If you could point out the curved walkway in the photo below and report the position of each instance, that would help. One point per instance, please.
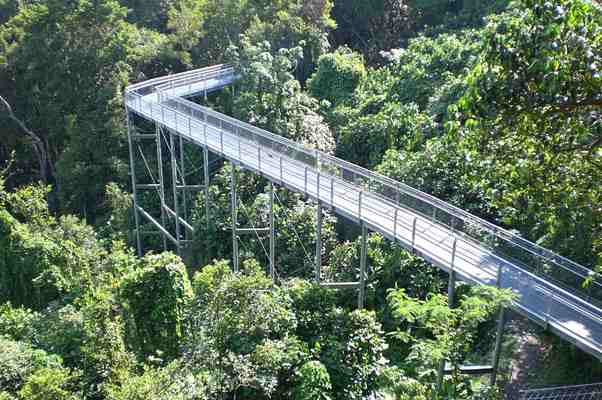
(448, 237)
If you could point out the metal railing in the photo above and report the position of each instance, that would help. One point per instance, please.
(420, 221)
(576, 392)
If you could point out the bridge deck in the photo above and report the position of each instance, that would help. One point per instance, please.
(284, 162)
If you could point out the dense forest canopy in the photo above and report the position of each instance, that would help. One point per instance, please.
(494, 106)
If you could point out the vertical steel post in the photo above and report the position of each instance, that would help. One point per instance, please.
(174, 184)
(361, 298)
(499, 334)
(183, 179)
(206, 182)
(451, 289)
(234, 217)
(161, 183)
(272, 235)
(498, 345)
(133, 175)
(318, 242)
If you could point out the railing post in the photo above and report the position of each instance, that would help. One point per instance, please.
(332, 192)
(259, 158)
(305, 181)
(318, 186)
(359, 205)
(239, 146)
(395, 224)
(205, 128)
(281, 172)
(234, 216)
(221, 141)
(414, 233)
(133, 176)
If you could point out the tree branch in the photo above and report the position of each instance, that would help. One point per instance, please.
(38, 143)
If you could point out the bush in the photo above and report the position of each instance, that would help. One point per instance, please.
(156, 295)
(337, 76)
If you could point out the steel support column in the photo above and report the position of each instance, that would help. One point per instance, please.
(183, 180)
(318, 271)
(272, 235)
(234, 217)
(206, 182)
(361, 298)
(174, 184)
(451, 290)
(133, 176)
(161, 182)
(498, 345)
(499, 334)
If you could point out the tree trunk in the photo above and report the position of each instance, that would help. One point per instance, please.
(38, 144)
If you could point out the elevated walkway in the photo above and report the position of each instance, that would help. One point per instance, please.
(547, 285)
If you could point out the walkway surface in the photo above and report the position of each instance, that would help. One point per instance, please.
(450, 238)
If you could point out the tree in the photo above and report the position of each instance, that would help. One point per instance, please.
(438, 332)
(531, 123)
(337, 76)
(158, 320)
(271, 98)
(75, 105)
(370, 26)
(241, 331)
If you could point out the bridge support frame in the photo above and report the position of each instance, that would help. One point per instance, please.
(499, 334)
(451, 294)
(161, 181)
(361, 297)
(234, 206)
(318, 271)
(133, 179)
(272, 236)
(174, 185)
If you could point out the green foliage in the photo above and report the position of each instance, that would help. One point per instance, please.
(240, 331)
(337, 75)
(438, 332)
(76, 105)
(169, 382)
(312, 382)
(208, 27)
(270, 97)
(531, 123)
(353, 353)
(50, 384)
(20, 361)
(16, 323)
(156, 294)
(41, 258)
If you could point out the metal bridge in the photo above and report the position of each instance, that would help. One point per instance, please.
(548, 286)
(577, 392)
